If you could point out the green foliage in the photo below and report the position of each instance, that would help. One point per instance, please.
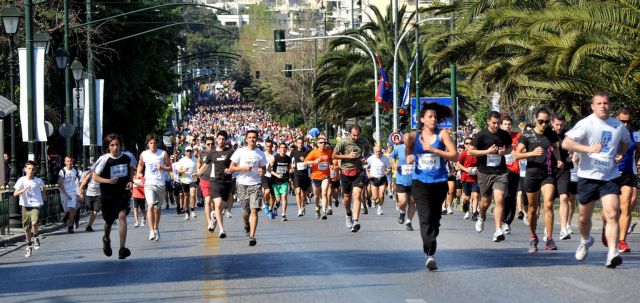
(481, 115)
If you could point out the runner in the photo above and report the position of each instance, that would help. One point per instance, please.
(513, 167)
(138, 201)
(269, 207)
(378, 166)
(320, 159)
(451, 188)
(92, 196)
(68, 181)
(281, 175)
(218, 159)
(30, 189)
(350, 151)
(430, 148)
(154, 162)
(565, 190)
(489, 146)
(628, 181)
(470, 189)
(186, 169)
(540, 148)
(404, 173)
(114, 171)
(334, 176)
(250, 163)
(204, 171)
(301, 180)
(602, 141)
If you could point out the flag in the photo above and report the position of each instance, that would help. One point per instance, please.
(407, 85)
(384, 93)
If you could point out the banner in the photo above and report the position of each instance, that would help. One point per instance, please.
(415, 110)
(86, 131)
(39, 132)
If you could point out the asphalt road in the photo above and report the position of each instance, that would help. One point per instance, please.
(309, 260)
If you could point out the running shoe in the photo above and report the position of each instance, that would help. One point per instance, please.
(533, 244)
(474, 217)
(613, 260)
(70, 229)
(324, 215)
(136, 224)
(229, 214)
(356, 226)
(467, 216)
(124, 253)
(90, 229)
(449, 210)
(431, 263)
(583, 249)
(564, 235)
(157, 233)
(317, 213)
(106, 246)
(520, 215)
(349, 222)
(505, 228)
(36, 242)
(271, 215)
(498, 236)
(299, 212)
(29, 251)
(365, 210)
(329, 211)
(550, 244)
(265, 209)
(275, 212)
(152, 236)
(186, 216)
(479, 225)
(284, 218)
(444, 211)
(379, 211)
(210, 226)
(252, 241)
(409, 226)
(222, 234)
(401, 218)
(193, 214)
(569, 231)
(623, 246)
(141, 224)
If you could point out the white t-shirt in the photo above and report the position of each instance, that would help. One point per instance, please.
(33, 196)
(255, 158)
(378, 166)
(609, 133)
(70, 180)
(190, 165)
(153, 176)
(270, 159)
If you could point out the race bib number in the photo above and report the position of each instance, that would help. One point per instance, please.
(323, 165)
(119, 171)
(281, 170)
(601, 162)
(636, 136)
(509, 158)
(493, 160)
(407, 169)
(301, 166)
(428, 162)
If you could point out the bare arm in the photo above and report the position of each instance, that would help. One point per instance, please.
(99, 179)
(571, 145)
(140, 166)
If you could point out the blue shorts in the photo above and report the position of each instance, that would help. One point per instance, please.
(591, 190)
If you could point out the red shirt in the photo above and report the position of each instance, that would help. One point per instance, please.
(467, 161)
(138, 192)
(514, 167)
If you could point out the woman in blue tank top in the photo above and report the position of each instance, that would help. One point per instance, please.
(429, 149)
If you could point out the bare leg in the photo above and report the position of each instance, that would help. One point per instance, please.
(548, 192)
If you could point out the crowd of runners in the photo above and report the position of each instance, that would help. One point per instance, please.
(236, 153)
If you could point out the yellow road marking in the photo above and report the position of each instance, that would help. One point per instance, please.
(211, 289)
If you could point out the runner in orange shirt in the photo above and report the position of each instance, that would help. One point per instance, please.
(320, 158)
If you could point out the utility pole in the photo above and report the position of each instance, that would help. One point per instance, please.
(417, 57)
(68, 106)
(92, 84)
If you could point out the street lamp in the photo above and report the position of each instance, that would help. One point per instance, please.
(77, 69)
(62, 58)
(42, 39)
(11, 19)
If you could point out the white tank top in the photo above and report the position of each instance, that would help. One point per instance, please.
(152, 175)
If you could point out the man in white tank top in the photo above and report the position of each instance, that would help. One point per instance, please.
(155, 162)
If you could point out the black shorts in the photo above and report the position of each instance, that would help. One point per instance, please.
(470, 187)
(220, 189)
(591, 190)
(301, 181)
(451, 178)
(317, 183)
(627, 179)
(563, 178)
(112, 206)
(94, 203)
(403, 189)
(348, 183)
(335, 184)
(266, 182)
(139, 203)
(573, 188)
(378, 181)
(534, 184)
(168, 185)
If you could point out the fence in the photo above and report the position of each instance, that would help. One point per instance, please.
(49, 213)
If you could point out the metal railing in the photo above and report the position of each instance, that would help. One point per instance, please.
(50, 212)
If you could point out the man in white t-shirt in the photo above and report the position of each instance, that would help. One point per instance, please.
(186, 169)
(68, 181)
(30, 189)
(154, 162)
(250, 163)
(378, 166)
(601, 141)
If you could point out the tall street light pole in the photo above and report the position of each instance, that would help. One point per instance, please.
(92, 84)
(28, 29)
(11, 18)
(68, 106)
(77, 69)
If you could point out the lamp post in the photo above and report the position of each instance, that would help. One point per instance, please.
(42, 39)
(11, 18)
(62, 60)
(77, 69)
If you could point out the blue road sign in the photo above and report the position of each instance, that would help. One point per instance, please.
(415, 110)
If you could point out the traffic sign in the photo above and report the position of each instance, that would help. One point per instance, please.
(396, 138)
(66, 130)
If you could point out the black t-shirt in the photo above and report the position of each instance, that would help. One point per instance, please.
(106, 167)
(545, 164)
(485, 139)
(281, 166)
(218, 161)
(205, 159)
(564, 154)
(297, 157)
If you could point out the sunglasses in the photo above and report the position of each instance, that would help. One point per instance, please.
(322, 142)
(467, 143)
(209, 144)
(546, 122)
